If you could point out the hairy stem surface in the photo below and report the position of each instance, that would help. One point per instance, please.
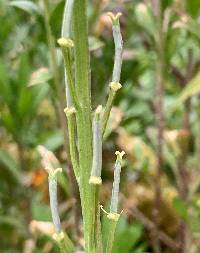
(84, 126)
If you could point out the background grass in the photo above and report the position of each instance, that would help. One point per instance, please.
(29, 103)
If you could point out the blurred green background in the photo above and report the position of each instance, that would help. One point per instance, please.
(32, 102)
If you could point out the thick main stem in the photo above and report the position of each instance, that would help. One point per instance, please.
(84, 126)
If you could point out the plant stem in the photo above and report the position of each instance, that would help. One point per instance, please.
(84, 127)
(99, 233)
(61, 102)
(113, 216)
(110, 235)
(108, 107)
(115, 84)
(184, 234)
(68, 70)
(159, 41)
(70, 113)
(55, 72)
(182, 176)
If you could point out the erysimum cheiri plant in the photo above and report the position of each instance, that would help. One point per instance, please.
(86, 131)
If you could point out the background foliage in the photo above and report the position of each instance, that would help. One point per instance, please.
(29, 103)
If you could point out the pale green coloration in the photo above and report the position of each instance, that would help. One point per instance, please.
(116, 182)
(114, 87)
(83, 118)
(110, 235)
(115, 84)
(54, 203)
(55, 71)
(65, 33)
(67, 16)
(84, 127)
(118, 46)
(64, 243)
(70, 113)
(85, 144)
(66, 45)
(95, 177)
(113, 215)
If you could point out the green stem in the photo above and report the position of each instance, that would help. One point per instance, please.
(114, 87)
(84, 127)
(72, 140)
(81, 53)
(64, 243)
(60, 101)
(68, 68)
(98, 230)
(110, 235)
(107, 110)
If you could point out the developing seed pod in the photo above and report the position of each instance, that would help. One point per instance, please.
(65, 33)
(118, 46)
(66, 45)
(95, 177)
(115, 83)
(53, 198)
(116, 182)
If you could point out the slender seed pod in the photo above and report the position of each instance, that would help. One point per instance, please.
(66, 45)
(65, 33)
(116, 182)
(113, 215)
(115, 83)
(95, 177)
(67, 15)
(53, 198)
(70, 113)
(118, 46)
